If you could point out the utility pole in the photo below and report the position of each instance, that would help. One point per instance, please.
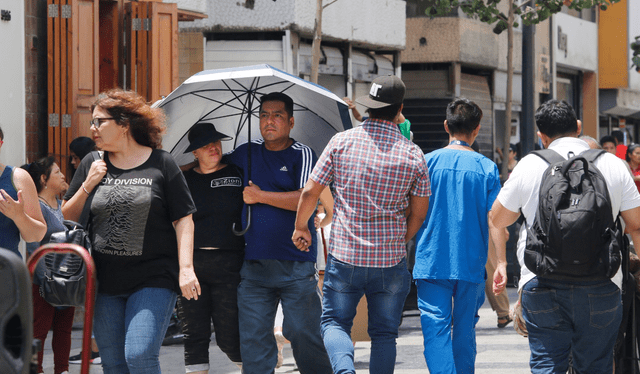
(528, 88)
(315, 46)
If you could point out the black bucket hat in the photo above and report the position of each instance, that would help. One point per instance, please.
(202, 134)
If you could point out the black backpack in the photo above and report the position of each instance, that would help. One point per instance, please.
(574, 236)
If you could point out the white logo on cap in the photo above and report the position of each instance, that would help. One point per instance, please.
(374, 89)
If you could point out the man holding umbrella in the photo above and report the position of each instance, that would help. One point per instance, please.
(381, 191)
(274, 269)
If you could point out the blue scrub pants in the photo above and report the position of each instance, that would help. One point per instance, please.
(449, 313)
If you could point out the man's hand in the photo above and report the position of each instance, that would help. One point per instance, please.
(302, 239)
(251, 193)
(499, 278)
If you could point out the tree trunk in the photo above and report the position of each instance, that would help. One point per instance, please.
(504, 172)
(315, 46)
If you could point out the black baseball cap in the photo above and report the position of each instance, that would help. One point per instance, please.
(203, 133)
(385, 91)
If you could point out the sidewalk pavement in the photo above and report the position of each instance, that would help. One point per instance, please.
(499, 350)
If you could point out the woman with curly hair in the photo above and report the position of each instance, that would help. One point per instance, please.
(139, 213)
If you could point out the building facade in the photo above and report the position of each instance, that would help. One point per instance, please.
(619, 84)
(354, 50)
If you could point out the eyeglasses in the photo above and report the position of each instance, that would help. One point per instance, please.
(96, 122)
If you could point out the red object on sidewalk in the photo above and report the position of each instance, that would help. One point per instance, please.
(89, 292)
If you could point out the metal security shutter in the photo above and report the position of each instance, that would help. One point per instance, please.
(426, 99)
(476, 89)
(220, 54)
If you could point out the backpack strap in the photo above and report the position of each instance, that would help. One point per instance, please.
(592, 154)
(549, 156)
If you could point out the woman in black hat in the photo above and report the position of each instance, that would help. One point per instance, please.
(218, 254)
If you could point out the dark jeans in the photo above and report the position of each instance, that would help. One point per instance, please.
(295, 285)
(218, 272)
(577, 318)
(385, 289)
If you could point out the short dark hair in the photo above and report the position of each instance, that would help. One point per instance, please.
(387, 113)
(463, 116)
(556, 118)
(608, 139)
(1, 134)
(618, 135)
(39, 168)
(279, 96)
(82, 146)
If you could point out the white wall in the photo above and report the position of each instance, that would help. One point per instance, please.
(12, 84)
(634, 30)
(380, 22)
(376, 22)
(192, 5)
(582, 43)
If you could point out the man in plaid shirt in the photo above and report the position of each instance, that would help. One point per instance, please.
(381, 189)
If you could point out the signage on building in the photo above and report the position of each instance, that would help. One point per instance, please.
(544, 74)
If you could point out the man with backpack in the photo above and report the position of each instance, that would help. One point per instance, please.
(570, 280)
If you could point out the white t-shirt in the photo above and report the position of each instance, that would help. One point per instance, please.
(522, 188)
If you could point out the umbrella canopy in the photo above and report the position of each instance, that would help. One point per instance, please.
(230, 99)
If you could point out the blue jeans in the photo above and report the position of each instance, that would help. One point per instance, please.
(295, 284)
(449, 314)
(129, 329)
(386, 290)
(577, 318)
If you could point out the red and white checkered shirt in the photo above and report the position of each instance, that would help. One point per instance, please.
(373, 169)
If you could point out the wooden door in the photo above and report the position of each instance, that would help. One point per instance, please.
(152, 29)
(72, 70)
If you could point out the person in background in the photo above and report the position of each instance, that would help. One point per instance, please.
(218, 254)
(609, 143)
(633, 160)
(499, 303)
(80, 147)
(512, 157)
(50, 183)
(141, 230)
(621, 148)
(20, 213)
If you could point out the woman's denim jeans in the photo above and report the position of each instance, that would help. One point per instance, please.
(129, 329)
(386, 290)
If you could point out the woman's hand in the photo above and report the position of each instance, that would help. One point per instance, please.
(189, 284)
(9, 207)
(97, 171)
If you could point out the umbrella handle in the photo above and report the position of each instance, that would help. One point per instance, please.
(240, 233)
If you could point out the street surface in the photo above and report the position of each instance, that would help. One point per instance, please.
(500, 351)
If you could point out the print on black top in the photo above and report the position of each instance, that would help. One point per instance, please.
(127, 209)
(218, 198)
